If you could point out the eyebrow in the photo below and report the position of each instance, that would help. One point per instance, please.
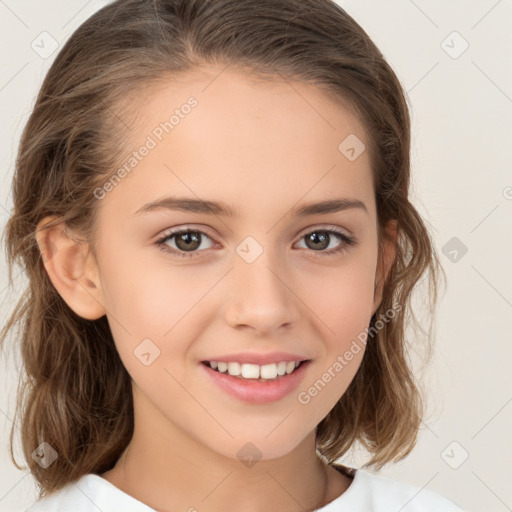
(191, 205)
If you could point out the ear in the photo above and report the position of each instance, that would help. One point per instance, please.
(385, 261)
(71, 267)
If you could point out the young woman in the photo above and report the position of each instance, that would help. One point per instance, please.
(211, 203)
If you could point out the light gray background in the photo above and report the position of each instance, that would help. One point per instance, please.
(461, 110)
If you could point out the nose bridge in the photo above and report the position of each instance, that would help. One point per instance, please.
(260, 295)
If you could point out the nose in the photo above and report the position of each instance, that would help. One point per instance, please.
(260, 296)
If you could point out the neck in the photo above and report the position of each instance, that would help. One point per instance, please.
(167, 469)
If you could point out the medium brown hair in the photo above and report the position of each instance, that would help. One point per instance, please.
(75, 393)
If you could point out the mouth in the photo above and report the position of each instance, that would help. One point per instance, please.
(256, 373)
(252, 389)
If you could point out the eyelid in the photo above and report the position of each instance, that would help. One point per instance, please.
(179, 229)
(201, 228)
(345, 236)
(318, 227)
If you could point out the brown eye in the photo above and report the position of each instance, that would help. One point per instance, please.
(188, 241)
(320, 240)
(185, 241)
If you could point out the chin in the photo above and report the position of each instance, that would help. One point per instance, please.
(251, 450)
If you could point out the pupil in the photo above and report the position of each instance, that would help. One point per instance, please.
(188, 239)
(315, 238)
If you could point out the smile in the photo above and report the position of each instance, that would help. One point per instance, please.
(248, 385)
(265, 372)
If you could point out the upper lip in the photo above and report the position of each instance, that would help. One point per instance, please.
(259, 359)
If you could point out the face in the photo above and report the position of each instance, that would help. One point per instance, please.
(263, 279)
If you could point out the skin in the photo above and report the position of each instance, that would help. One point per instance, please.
(263, 148)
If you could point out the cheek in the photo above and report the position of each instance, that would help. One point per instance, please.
(153, 302)
(342, 304)
(141, 291)
(343, 296)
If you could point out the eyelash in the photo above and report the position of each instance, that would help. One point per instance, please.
(348, 240)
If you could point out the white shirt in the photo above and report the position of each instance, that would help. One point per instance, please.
(367, 493)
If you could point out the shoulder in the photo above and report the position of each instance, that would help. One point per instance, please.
(411, 497)
(370, 492)
(89, 493)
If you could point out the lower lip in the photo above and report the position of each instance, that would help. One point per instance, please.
(257, 392)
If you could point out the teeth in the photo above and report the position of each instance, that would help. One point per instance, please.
(234, 369)
(254, 371)
(269, 371)
(250, 371)
(281, 368)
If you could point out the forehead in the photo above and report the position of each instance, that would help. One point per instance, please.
(242, 99)
(246, 141)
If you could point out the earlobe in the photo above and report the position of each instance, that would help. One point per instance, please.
(71, 268)
(385, 261)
